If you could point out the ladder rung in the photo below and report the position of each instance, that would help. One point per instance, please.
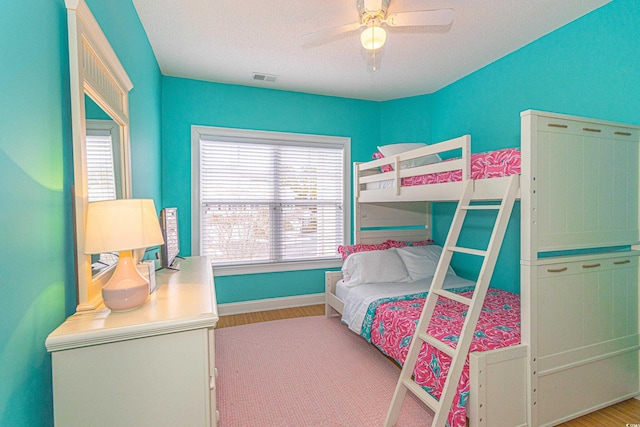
(468, 251)
(431, 340)
(452, 296)
(422, 394)
(481, 207)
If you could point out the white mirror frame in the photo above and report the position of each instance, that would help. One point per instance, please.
(96, 71)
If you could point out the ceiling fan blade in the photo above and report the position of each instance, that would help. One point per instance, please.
(420, 18)
(325, 35)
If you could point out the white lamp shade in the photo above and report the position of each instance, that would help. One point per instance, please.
(373, 37)
(123, 224)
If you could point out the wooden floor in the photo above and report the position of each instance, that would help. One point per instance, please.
(265, 316)
(624, 414)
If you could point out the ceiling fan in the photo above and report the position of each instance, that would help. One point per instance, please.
(373, 16)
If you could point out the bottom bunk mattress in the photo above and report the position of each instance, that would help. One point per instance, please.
(390, 323)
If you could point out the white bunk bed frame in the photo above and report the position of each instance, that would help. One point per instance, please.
(580, 345)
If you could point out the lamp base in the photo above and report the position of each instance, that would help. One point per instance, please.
(127, 289)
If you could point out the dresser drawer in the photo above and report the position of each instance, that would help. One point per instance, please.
(556, 268)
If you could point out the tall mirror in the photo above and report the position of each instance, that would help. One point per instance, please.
(100, 124)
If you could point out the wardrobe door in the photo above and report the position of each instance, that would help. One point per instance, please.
(587, 334)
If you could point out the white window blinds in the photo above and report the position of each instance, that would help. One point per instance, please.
(101, 178)
(269, 201)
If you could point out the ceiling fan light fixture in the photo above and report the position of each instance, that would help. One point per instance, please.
(373, 37)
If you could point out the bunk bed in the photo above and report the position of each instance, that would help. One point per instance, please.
(579, 305)
(391, 213)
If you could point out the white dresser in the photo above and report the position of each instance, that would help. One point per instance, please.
(151, 366)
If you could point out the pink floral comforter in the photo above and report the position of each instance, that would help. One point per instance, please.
(492, 164)
(390, 324)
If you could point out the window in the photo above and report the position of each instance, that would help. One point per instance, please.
(267, 201)
(103, 172)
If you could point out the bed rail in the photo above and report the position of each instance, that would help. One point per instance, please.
(373, 185)
(333, 306)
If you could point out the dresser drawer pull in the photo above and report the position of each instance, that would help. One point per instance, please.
(591, 266)
(557, 270)
(591, 130)
(626, 261)
(554, 125)
(212, 383)
(623, 133)
(215, 372)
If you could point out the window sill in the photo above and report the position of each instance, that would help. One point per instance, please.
(234, 270)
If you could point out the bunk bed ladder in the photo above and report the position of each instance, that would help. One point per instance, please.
(458, 355)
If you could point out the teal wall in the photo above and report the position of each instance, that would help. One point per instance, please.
(37, 279)
(190, 102)
(590, 67)
(35, 247)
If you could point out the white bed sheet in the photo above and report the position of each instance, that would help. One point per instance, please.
(342, 290)
(358, 298)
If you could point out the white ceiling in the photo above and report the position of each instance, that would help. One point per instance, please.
(228, 41)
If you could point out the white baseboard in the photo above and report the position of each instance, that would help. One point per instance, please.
(269, 304)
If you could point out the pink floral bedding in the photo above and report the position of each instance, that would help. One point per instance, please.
(493, 164)
(391, 322)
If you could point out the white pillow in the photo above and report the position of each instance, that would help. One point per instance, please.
(393, 149)
(383, 266)
(421, 261)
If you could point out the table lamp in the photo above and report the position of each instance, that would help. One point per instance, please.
(121, 226)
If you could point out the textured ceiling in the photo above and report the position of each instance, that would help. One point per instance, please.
(228, 41)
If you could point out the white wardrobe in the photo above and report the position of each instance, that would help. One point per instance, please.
(579, 232)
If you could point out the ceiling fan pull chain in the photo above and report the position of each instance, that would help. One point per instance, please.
(375, 65)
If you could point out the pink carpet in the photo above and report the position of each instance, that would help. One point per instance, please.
(309, 371)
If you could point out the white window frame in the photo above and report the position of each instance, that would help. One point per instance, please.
(209, 131)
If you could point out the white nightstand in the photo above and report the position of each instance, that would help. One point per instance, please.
(151, 366)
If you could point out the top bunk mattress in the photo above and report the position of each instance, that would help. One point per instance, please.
(420, 174)
(492, 164)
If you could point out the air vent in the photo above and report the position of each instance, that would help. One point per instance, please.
(262, 77)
